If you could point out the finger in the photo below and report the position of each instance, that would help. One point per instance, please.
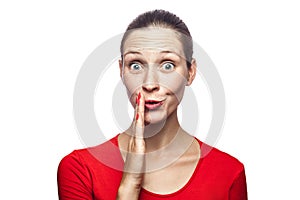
(139, 117)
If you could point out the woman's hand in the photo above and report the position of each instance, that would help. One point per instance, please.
(132, 179)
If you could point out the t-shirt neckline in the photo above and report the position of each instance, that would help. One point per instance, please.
(183, 187)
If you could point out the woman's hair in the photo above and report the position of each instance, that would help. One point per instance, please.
(163, 19)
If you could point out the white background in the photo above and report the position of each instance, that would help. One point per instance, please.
(254, 45)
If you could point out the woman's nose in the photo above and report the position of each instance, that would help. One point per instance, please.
(151, 82)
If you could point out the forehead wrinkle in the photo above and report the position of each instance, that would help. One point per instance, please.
(162, 53)
(156, 39)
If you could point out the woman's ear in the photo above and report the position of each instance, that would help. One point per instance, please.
(121, 67)
(192, 70)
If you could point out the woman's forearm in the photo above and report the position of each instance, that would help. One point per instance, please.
(129, 189)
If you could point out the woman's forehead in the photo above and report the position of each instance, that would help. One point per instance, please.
(153, 39)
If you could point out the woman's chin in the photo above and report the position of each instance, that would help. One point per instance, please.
(155, 117)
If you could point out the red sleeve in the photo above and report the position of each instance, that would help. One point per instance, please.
(73, 179)
(238, 190)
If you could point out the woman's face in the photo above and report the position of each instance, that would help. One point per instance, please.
(154, 64)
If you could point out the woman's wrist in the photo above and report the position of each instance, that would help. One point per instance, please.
(128, 191)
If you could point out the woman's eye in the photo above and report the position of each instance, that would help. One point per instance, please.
(135, 66)
(168, 66)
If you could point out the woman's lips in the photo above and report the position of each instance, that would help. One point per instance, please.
(153, 104)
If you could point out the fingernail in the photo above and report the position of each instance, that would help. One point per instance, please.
(137, 116)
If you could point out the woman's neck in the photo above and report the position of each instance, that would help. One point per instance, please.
(159, 135)
(164, 143)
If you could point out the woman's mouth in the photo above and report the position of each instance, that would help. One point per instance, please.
(153, 104)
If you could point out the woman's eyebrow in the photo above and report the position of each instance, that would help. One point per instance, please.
(171, 52)
(132, 52)
(167, 51)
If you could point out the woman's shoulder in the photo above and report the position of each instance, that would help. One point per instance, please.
(220, 173)
(105, 145)
(82, 169)
(103, 152)
(219, 159)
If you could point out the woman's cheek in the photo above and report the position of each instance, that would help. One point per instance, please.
(175, 83)
(132, 84)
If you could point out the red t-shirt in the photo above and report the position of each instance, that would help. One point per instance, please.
(82, 175)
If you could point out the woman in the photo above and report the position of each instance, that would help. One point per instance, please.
(159, 160)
